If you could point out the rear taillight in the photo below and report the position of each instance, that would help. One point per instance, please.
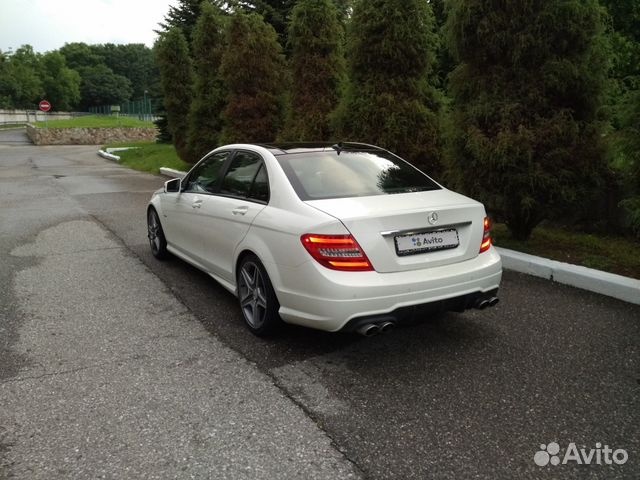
(338, 252)
(486, 236)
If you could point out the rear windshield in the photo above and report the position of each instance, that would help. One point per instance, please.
(320, 175)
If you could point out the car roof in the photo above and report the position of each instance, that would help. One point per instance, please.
(284, 148)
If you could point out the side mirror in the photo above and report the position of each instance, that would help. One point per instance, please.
(172, 185)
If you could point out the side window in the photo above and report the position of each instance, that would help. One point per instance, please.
(260, 187)
(205, 177)
(240, 175)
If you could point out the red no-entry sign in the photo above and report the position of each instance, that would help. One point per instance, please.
(44, 106)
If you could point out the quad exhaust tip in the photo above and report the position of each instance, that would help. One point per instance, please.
(371, 329)
(368, 330)
(387, 327)
(483, 303)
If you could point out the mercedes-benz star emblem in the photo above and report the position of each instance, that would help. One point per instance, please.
(433, 218)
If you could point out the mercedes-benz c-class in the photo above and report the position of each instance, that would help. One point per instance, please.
(334, 237)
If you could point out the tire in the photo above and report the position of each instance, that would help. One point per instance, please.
(258, 302)
(157, 240)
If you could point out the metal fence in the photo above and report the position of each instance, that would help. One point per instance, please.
(141, 109)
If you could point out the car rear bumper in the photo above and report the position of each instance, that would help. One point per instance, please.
(317, 297)
(416, 313)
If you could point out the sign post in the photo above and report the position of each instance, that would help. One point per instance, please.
(45, 106)
(116, 109)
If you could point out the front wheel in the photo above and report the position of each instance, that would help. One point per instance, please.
(258, 301)
(157, 240)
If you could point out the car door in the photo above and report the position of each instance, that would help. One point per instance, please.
(243, 193)
(183, 210)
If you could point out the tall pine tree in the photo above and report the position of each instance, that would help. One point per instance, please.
(317, 65)
(184, 15)
(390, 99)
(275, 12)
(176, 76)
(525, 137)
(253, 72)
(205, 120)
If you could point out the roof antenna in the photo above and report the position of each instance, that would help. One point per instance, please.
(337, 147)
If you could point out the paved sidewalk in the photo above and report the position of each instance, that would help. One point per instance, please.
(123, 382)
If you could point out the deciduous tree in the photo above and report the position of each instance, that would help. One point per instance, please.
(132, 60)
(20, 82)
(78, 55)
(100, 86)
(61, 84)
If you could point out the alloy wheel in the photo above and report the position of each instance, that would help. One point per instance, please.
(252, 292)
(153, 229)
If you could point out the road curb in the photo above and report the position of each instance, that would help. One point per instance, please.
(170, 172)
(610, 284)
(108, 152)
(109, 156)
(119, 149)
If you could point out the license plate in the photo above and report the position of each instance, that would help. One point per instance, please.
(426, 241)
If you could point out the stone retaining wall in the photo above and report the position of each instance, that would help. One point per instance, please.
(88, 136)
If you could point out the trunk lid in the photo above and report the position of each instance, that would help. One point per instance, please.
(376, 221)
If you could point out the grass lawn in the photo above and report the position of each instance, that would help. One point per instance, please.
(97, 121)
(149, 156)
(613, 254)
(10, 126)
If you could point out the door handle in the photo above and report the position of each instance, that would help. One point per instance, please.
(197, 203)
(240, 210)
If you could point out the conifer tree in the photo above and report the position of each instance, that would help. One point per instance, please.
(317, 66)
(253, 73)
(274, 12)
(525, 137)
(390, 99)
(205, 117)
(624, 104)
(176, 77)
(629, 148)
(184, 15)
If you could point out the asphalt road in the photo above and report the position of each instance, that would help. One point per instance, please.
(471, 395)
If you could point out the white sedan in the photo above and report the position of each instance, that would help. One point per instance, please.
(335, 237)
